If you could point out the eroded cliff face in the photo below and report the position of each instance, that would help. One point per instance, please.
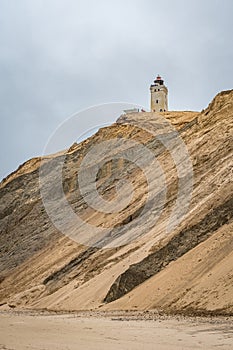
(189, 269)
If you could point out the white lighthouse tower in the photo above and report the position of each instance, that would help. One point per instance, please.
(158, 96)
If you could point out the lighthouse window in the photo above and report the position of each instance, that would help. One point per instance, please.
(157, 101)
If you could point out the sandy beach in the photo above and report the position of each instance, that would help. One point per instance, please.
(21, 331)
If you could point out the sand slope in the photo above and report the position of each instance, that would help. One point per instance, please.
(189, 270)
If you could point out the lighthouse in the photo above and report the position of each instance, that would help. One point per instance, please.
(158, 96)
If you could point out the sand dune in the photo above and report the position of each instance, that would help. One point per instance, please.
(189, 270)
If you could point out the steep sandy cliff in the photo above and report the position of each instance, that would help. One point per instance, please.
(188, 269)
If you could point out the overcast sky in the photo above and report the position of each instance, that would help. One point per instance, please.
(60, 56)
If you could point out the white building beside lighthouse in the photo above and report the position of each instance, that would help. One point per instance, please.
(159, 101)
